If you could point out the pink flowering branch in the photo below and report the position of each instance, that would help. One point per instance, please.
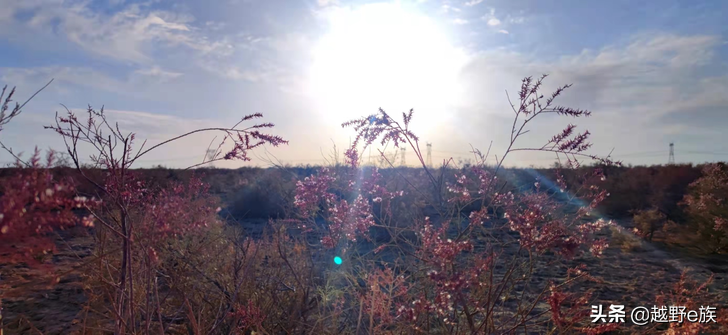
(113, 151)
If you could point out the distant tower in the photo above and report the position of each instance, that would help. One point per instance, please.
(429, 154)
(671, 160)
(210, 155)
(402, 161)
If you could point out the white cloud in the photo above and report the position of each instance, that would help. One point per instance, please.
(638, 91)
(503, 31)
(459, 21)
(235, 72)
(447, 8)
(324, 3)
(473, 3)
(492, 20)
(71, 83)
(127, 35)
(157, 72)
(83, 76)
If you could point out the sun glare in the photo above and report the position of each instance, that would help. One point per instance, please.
(383, 55)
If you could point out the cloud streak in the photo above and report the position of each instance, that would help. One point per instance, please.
(126, 35)
(638, 90)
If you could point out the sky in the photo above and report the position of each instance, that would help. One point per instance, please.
(652, 72)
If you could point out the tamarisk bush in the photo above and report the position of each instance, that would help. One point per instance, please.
(707, 209)
(448, 250)
(33, 203)
(456, 271)
(136, 220)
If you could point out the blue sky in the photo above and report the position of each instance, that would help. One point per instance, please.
(653, 72)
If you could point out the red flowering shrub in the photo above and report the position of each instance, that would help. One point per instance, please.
(344, 218)
(463, 266)
(248, 317)
(449, 250)
(690, 300)
(707, 208)
(138, 222)
(32, 204)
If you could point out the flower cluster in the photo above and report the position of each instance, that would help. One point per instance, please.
(312, 190)
(385, 290)
(464, 188)
(34, 203)
(438, 250)
(248, 317)
(346, 220)
(178, 209)
(372, 187)
(535, 219)
(449, 274)
(460, 189)
(352, 157)
(371, 127)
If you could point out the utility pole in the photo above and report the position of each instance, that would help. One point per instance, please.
(429, 154)
(671, 160)
(402, 161)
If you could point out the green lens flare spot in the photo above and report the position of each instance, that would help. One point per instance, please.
(337, 260)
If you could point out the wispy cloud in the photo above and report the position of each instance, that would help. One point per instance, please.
(460, 21)
(445, 8)
(126, 35)
(493, 22)
(491, 19)
(63, 75)
(473, 3)
(324, 3)
(640, 91)
(157, 72)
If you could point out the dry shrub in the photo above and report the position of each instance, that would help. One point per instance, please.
(130, 292)
(468, 266)
(448, 251)
(707, 208)
(32, 202)
(693, 296)
(625, 240)
(648, 222)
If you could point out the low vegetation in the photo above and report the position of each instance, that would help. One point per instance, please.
(348, 248)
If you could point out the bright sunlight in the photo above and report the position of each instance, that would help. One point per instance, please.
(384, 55)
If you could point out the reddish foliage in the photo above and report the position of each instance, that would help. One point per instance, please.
(33, 204)
(169, 211)
(385, 291)
(707, 207)
(248, 317)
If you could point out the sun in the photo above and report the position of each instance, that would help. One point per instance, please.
(384, 55)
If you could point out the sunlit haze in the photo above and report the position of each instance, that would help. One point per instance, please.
(384, 55)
